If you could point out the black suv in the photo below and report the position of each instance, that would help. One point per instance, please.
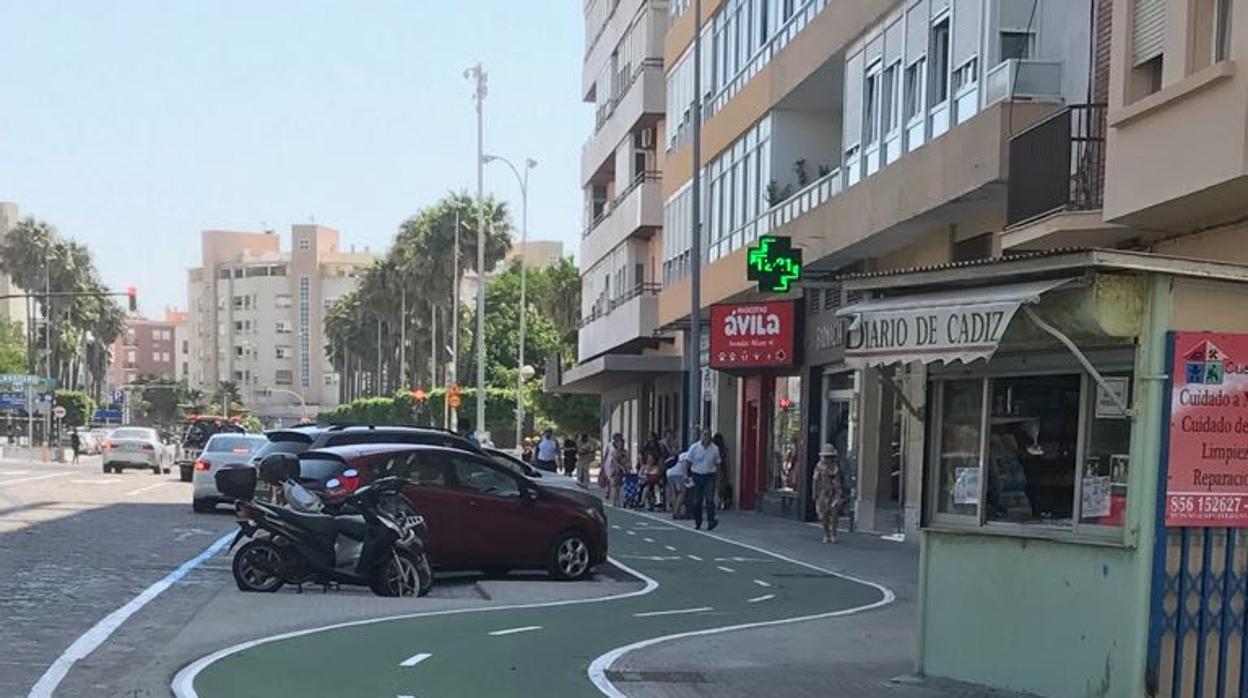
(296, 440)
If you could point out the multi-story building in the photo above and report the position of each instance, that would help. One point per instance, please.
(148, 348)
(10, 308)
(619, 355)
(537, 254)
(256, 316)
(181, 343)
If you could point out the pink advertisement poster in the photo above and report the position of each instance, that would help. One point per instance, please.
(1207, 481)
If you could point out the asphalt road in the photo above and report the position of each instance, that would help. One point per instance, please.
(74, 545)
(697, 583)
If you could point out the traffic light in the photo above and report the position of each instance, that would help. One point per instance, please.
(132, 294)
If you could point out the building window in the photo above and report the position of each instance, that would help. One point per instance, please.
(165, 357)
(1016, 45)
(1046, 450)
(284, 352)
(331, 378)
(186, 347)
(282, 301)
(1148, 43)
(1222, 30)
(888, 100)
(283, 376)
(940, 61)
(305, 244)
(282, 327)
(871, 104)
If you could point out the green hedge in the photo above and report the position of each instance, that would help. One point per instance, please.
(500, 406)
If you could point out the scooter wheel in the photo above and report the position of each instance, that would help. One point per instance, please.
(401, 575)
(257, 567)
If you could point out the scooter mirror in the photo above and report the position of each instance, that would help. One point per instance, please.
(333, 484)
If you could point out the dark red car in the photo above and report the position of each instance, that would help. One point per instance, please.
(481, 515)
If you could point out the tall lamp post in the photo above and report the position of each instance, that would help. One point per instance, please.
(477, 74)
(523, 180)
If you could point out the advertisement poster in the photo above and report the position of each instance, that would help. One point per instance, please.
(752, 334)
(1207, 481)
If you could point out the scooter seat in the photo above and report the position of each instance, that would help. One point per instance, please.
(320, 524)
(351, 525)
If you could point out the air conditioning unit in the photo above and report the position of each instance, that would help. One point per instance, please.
(647, 139)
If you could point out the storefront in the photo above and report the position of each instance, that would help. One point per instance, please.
(832, 395)
(1045, 417)
(758, 343)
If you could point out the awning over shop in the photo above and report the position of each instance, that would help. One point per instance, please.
(964, 324)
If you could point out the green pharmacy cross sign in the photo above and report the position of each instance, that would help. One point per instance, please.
(775, 264)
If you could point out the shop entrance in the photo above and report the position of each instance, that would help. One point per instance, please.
(837, 426)
(755, 416)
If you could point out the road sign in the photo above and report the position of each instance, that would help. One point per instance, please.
(119, 396)
(59, 412)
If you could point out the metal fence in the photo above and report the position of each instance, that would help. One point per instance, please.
(1058, 165)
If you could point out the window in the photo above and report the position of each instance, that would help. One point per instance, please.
(961, 421)
(1222, 30)
(238, 350)
(940, 61)
(1032, 441)
(281, 301)
(1016, 45)
(419, 468)
(484, 479)
(965, 75)
(787, 433)
(305, 244)
(913, 99)
(331, 378)
(888, 100)
(283, 352)
(871, 104)
(319, 469)
(283, 376)
(186, 347)
(238, 325)
(165, 357)
(282, 327)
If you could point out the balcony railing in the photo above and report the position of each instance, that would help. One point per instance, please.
(607, 109)
(1058, 165)
(1023, 80)
(603, 306)
(610, 206)
(806, 199)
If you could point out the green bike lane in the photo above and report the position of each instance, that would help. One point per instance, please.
(694, 583)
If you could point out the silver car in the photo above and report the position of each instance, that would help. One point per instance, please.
(222, 450)
(133, 447)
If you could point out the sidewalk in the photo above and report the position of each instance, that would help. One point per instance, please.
(867, 654)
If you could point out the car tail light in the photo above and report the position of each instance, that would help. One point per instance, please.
(148, 447)
(201, 464)
(106, 445)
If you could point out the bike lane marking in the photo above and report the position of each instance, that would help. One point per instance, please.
(415, 659)
(513, 631)
(673, 612)
(149, 488)
(22, 480)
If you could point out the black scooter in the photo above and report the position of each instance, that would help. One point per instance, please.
(372, 548)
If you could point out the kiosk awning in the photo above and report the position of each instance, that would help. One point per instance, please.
(964, 324)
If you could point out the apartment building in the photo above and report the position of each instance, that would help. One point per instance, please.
(619, 354)
(10, 308)
(148, 348)
(256, 316)
(181, 343)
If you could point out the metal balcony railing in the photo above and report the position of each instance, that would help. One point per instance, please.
(607, 109)
(1058, 165)
(609, 206)
(1023, 80)
(603, 306)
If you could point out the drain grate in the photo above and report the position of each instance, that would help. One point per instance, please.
(656, 677)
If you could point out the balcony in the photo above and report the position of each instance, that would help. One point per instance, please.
(637, 208)
(640, 95)
(1024, 81)
(627, 322)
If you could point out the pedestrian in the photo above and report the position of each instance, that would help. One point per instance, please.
(722, 476)
(526, 451)
(570, 452)
(829, 491)
(584, 455)
(617, 467)
(678, 485)
(75, 442)
(466, 431)
(703, 466)
(671, 445)
(546, 456)
(651, 472)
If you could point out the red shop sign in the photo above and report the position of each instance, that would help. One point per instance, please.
(1207, 474)
(752, 334)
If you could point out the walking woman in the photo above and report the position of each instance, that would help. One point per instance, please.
(829, 491)
(617, 467)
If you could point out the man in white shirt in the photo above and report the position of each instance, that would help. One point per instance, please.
(703, 459)
(547, 452)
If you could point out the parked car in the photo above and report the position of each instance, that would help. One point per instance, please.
(520, 467)
(195, 434)
(481, 514)
(302, 438)
(221, 451)
(133, 447)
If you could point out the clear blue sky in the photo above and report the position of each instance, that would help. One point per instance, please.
(134, 125)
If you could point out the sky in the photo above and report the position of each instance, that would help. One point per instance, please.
(133, 125)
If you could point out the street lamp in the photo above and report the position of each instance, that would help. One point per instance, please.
(523, 180)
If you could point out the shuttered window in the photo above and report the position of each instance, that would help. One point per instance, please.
(1148, 30)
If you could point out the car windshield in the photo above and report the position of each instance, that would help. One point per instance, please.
(142, 434)
(236, 444)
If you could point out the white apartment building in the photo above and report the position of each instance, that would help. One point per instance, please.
(256, 316)
(10, 308)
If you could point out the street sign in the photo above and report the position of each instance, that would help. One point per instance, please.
(119, 396)
(59, 412)
(774, 263)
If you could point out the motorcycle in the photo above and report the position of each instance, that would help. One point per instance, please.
(370, 548)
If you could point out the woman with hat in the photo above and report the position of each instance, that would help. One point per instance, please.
(829, 491)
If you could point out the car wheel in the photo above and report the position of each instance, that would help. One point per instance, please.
(495, 572)
(156, 470)
(200, 506)
(257, 567)
(569, 557)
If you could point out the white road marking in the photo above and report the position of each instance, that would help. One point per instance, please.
(695, 558)
(14, 472)
(673, 612)
(415, 659)
(648, 540)
(149, 488)
(764, 597)
(653, 558)
(670, 547)
(631, 532)
(513, 631)
(721, 568)
(99, 481)
(741, 559)
(598, 668)
(761, 583)
(36, 478)
(615, 526)
(93, 638)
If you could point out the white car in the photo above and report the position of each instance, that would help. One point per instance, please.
(222, 450)
(133, 447)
